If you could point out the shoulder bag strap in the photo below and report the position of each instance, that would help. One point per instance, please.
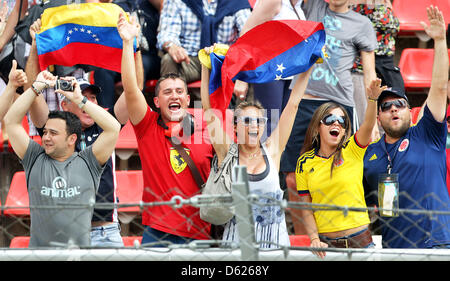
(196, 174)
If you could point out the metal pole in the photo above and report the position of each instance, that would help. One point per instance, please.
(244, 215)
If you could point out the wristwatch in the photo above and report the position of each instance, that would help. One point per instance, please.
(83, 102)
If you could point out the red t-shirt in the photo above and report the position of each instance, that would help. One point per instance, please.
(166, 175)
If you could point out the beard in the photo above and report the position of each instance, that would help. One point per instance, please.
(396, 133)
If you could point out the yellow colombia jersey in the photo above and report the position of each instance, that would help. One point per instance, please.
(344, 188)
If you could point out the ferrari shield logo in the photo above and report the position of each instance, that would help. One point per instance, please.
(177, 162)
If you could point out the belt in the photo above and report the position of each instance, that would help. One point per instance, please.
(360, 240)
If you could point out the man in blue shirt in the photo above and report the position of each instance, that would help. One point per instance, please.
(417, 155)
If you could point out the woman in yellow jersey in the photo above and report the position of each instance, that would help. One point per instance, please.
(330, 171)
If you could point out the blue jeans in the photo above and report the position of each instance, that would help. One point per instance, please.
(106, 236)
(152, 235)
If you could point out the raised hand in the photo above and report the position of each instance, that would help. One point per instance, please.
(3, 11)
(127, 30)
(436, 29)
(17, 77)
(35, 28)
(44, 80)
(374, 90)
(76, 96)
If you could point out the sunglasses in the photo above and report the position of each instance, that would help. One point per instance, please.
(331, 118)
(247, 120)
(400, 104)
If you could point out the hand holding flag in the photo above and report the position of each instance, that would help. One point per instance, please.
(270, 51)
(80, 34)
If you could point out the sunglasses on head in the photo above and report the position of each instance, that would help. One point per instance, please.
(331, 118)
(385, 106)
(247, 120)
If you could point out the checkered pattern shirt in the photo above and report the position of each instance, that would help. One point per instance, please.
(53, 100)
(178, 24)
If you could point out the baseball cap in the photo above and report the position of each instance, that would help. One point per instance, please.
(84, 84)
(392, 92)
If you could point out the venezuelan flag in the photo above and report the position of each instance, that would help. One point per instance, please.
(270, 51)
(80, 34)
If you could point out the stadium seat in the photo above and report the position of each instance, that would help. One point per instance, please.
(411, 12)
(195, 84)
(150, 85)
(130, 186)
(23, 241)
(126, 144)
(128, 241)
(20, 242)
(299, 240)
(416, 67)
(17, 202)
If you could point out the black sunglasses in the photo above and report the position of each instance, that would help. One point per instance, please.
(331, 118)
(247, 120)
(385, 106)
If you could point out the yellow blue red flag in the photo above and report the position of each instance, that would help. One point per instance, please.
(80, 34)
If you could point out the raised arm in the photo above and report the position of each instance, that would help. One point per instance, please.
(364, 134)
(135, 100)
(18, 137)
(437, 97)
(39, 109)
(106, 141)
(279, 137)
(263, 11)
(16, 79)
(218, 136)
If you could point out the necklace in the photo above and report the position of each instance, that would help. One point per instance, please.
(251, 156)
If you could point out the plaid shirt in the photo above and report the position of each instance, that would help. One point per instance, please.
(178, 24)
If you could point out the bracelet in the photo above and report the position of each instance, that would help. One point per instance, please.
(371, 99)
(314, 238)
(83, 102)
(36, 92)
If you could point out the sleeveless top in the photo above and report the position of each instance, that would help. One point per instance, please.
(269, 218)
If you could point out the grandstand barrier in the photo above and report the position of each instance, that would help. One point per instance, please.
(210, 250)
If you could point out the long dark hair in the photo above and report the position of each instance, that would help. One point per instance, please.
(312, 137)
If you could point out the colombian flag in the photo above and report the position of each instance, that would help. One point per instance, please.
(270, 51)
(80, 34)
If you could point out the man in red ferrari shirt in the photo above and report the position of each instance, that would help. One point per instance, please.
(165, 172)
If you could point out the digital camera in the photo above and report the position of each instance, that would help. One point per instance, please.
(64, 85)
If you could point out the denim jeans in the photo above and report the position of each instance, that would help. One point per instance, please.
(106, 236)
(152, 235)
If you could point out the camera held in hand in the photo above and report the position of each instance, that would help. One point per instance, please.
(64, 85)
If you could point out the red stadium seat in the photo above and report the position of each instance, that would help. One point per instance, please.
(20, 242)
(126, 143)
(150, 85)
(299, 240)
(416, 67)
(130, 186)
(195, 84)
(23, 241)
(17, 202)
(411, 12)
(128, 241)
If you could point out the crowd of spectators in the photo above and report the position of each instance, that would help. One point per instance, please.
(329, 147)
